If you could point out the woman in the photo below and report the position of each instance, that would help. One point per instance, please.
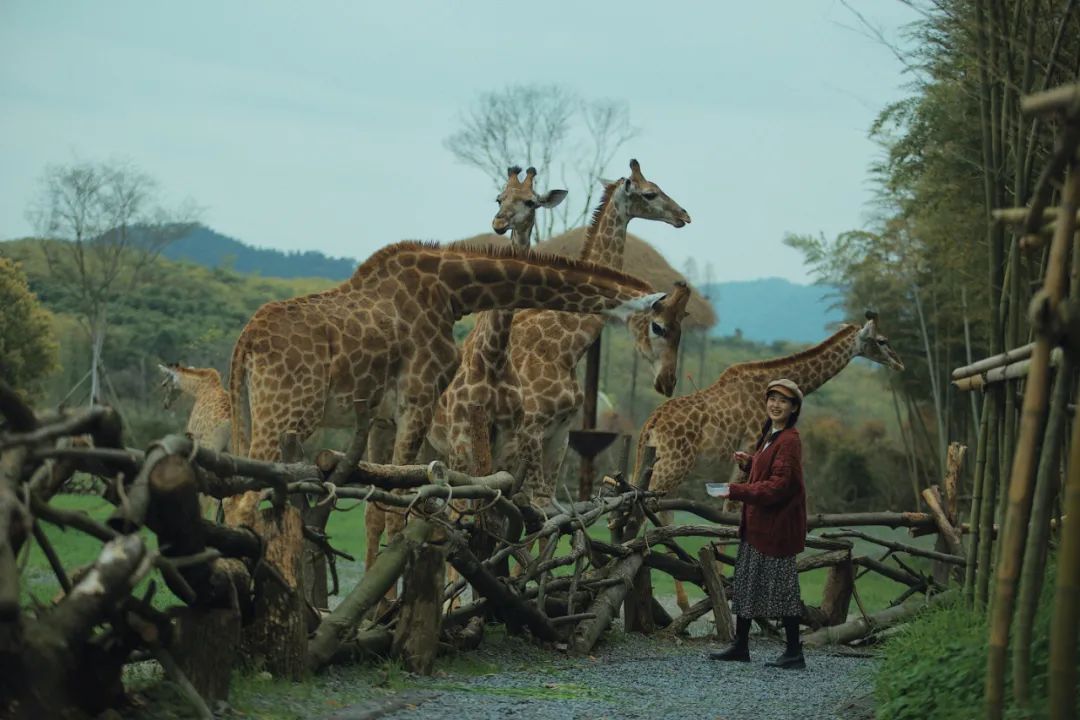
(773, 528)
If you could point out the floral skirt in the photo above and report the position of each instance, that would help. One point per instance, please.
(765, 587)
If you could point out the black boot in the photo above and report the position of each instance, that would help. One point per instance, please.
(739, 650)
(792, 659)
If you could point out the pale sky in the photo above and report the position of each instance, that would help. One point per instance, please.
(320, 125)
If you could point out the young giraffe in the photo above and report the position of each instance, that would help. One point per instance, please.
(304, 360)
(545, 347)
(208, 422)
(712, 423)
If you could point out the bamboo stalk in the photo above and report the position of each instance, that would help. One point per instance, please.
(1064, 99)
(974, 516)
(1003, 373)
(1038, 534)
(986, 511)
(1024, 460)
(1066, 618)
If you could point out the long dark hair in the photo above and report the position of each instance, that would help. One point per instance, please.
(792, 419)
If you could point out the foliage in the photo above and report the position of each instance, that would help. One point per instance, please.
(28, 351)
(204, 246)
(935, 666)
(954, 149)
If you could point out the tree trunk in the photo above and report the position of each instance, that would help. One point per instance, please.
(859, 627)
(606, 606)
(416, 636)
(836, 597)
(205, 648)
(277, 637)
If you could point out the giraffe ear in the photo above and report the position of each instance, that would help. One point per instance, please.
(605, 182)
(552, 198)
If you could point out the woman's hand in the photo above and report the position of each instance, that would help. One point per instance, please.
(740, 458)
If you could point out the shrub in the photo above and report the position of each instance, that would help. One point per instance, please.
(935, 666)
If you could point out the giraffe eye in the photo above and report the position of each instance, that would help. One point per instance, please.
(649, 195)
(531, 204)
(659, 330)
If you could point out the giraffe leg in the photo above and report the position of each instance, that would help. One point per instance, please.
(374, 524)
(554, 453)
(669, 470)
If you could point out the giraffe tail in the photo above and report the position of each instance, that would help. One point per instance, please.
(237, 377)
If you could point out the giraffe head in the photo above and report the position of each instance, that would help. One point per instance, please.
(518, 202)
(645, 199)
(871, 344)
(657, 333)
(181, 379)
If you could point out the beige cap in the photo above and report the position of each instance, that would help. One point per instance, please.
(785, 387)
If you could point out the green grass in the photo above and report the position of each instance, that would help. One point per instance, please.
(935, 666)
(75, 549)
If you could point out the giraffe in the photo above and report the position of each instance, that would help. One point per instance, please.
(483, 354)
(303, 361)
(208, 422)
(712, 423)
(483, 358)
(545, 346)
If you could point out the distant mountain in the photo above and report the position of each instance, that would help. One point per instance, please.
(207, 247)
(771, 309)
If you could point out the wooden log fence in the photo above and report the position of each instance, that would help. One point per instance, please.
(212, 568)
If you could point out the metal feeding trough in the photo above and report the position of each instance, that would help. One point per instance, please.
(590, 443)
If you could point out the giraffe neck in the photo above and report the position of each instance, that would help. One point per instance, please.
(478, 281)
(199, 386)
(486, 349)
(605, 240)
(813, 367)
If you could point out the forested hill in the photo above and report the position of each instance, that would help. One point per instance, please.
(764, 310)
(212, 249)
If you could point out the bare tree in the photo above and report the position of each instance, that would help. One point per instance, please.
(103, 229)
(546, 126)
(607, 127)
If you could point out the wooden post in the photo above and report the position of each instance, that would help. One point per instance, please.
(948, 532)
(637, 608)
(710, 570)
(836, 597)
(205, 647)
(416, 636)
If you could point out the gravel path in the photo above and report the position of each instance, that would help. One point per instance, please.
(633, 677)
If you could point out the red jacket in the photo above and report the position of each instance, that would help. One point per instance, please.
(774, 498)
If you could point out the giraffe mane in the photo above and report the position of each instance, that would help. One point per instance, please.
(794, 357)
(553, 260)
(594, 223)
(200, 372)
